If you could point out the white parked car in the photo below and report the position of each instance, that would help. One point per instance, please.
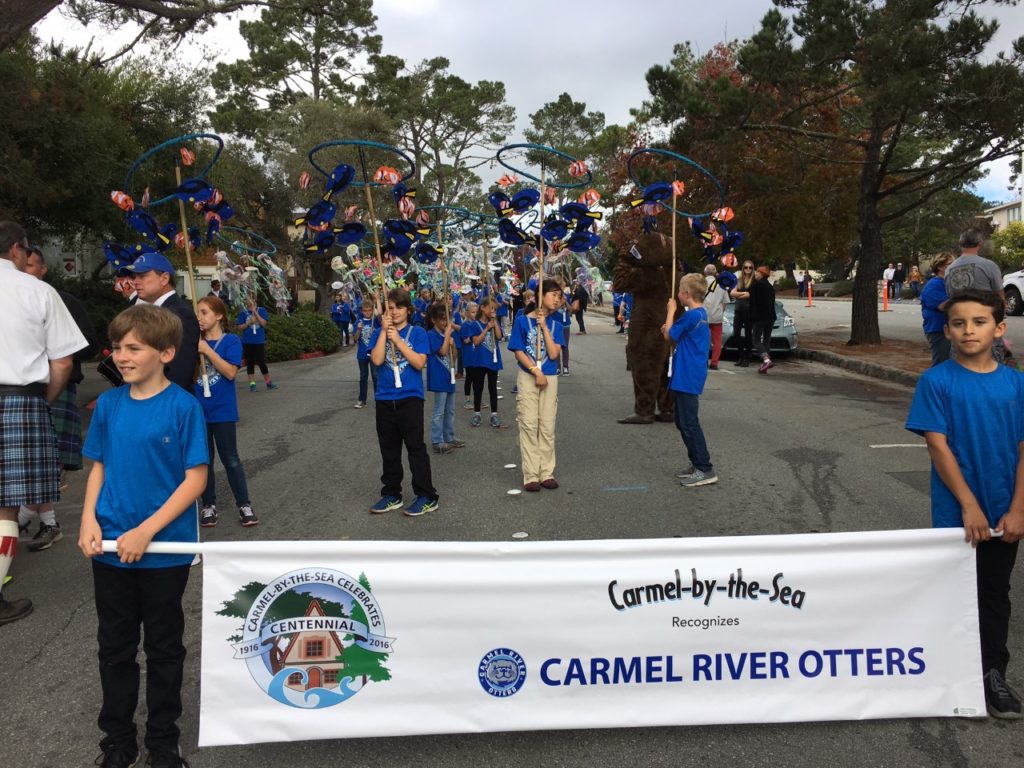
(1013, 287)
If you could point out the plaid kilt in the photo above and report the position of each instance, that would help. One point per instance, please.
(67, 423)
(29, 472)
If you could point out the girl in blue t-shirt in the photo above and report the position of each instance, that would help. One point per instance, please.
(468, 312)
(400, 351)
(221, 357)
(441, 380)
(564, 315)
(485, 335)
(346, 315)
(365, 327)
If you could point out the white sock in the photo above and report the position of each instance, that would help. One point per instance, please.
(8, 545)
(476, 413)
(25, 516)
(48, 516)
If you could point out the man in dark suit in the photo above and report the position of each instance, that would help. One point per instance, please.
(217, 290)
(154, 282)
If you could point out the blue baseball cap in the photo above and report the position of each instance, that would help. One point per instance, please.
(150, 261)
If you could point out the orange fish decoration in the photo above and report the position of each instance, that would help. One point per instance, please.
(550, 195)
(508, 180)
(578, 168)
(678, 188)
(385, 174)
(187, 156)
(350, 212)
(723, 214)
(406, 207)
(304, 179)
(422, 217)
(216, 197)
(729, 261)
(122, 200)
(145, 199)
(589, 198)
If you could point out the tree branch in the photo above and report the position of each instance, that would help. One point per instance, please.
(803, 132)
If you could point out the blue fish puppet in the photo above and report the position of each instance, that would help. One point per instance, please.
(194, 191)
(501, 203)
(509, 233)
(581, 214)
(657, 192)
(400, 235)
(143, 223)
(340, 178)
(428, 253)
(555, 228)
(349, 233)
(581, 242)
(319, 217)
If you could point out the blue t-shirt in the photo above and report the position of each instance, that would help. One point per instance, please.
(439, 372)
(524, 337)
(470, 353)
(502, 310)
(457, 333)
(488, 354)
(412, 380)
(565, 310)
(346, 312)
(336, 312)
(982, 417)
(145, 447)
(222, 404)
(626, 306)
(254, 334)
(364, 332)
(934, 293)
(692, 336)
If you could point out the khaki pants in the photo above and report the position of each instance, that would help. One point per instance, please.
(537, 409)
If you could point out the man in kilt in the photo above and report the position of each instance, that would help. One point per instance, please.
(67, 421)
(37, 339)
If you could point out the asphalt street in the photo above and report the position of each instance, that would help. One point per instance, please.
(805, 448)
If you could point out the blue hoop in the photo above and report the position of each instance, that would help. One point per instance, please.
(173, 143)
(361, 143)
(551, 150)
(463, 214)
(222, 236)
(675, 156)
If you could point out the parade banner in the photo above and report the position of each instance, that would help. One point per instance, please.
(327, 640)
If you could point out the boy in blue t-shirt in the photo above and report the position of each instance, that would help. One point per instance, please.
(148, 444)
(400, 350)
(365, 327)
(441, 380)
(970, 411)
(692, 336)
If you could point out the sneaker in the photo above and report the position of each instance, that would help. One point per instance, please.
(532, 487)
(456, 444)
(1001, 700)
(360, 404)
(468, 405)
(713, 366)
(420, 506)
(208, 516)
(442, 448)
(515, 390)
(118, 757)
(252, 386)
(763, 368)
(386, 504)
(550, 483)
(247, 517)
(165, 758)
(698, 478)
(495, 421)
(565, 371)
(271, 385)
(475, 421)
(12, 610)
(45, 537)
(688, 473)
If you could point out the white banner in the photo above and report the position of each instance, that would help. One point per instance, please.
(326, 640)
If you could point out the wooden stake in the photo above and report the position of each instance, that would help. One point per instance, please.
(672, 287)
(540, 267)
(191, 276)
(376, 249)
(447, 300)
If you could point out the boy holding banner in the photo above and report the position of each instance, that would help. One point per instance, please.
(970, 411)
(148, 444)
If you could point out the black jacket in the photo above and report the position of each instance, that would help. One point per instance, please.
(762, 300)
(182, 369)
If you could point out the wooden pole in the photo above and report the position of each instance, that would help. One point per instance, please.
(447, 299)
(191, 276)
(672, 287)
(380, 260)
(540, 266)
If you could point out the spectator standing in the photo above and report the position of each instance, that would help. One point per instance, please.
(762, 313)
(580, 300)
(715, 299)
(914, 281)
(972, 270)
(218, 291)
(887, 275)
(742, 322)
(38, 337)
(252, 323)
(934, 319)
(899, 277)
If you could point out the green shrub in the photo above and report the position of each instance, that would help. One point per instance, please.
(841, 288)
(785, 284)
(304, 331)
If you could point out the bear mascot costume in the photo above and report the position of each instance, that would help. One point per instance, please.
(645, 271)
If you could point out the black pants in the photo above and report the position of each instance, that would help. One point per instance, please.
(995, 562)
(401, 421)
(255, 354)
(580, 323)
(743, 330)
(128, 599)
(468, 386)
(615, 314)
(763, 337)
(477, 374)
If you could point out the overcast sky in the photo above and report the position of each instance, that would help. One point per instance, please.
(596, 51)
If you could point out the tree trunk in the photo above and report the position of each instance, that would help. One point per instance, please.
(864, 319)
(18, 16)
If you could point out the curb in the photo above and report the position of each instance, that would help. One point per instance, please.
(874, 370)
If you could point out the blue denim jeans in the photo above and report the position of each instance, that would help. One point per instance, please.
(366, 370)
(442, 423)
(222, 437)
(693, 436)
(940, 347)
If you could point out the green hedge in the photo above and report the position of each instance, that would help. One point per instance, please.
(288, 336)
(785, 284)
(841, 288)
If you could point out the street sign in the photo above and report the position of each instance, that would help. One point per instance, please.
(71, 267)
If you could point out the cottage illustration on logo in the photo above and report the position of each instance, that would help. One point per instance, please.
(311, 638)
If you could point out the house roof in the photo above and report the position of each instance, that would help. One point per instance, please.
(1004, 206)
(314, 607)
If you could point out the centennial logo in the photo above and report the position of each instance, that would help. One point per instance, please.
(311, 638)
(502, 672)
